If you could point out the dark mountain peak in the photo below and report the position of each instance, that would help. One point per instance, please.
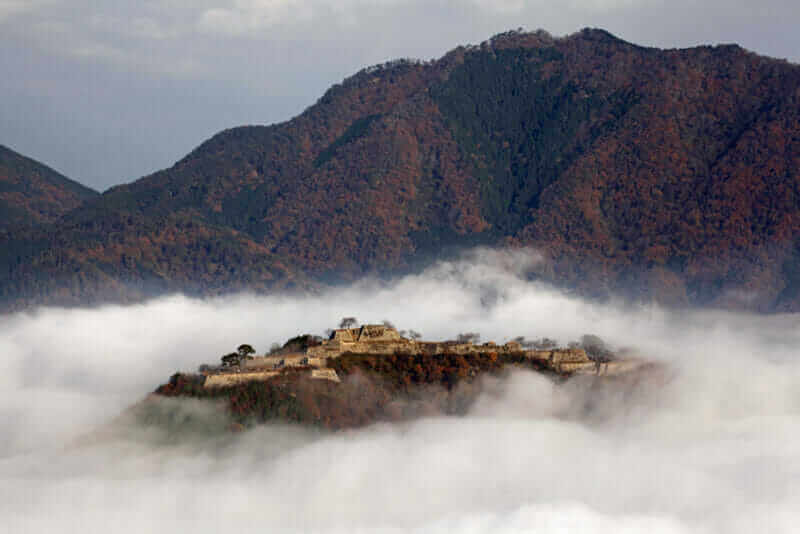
(598, 35)
(32, 193)
(540, 38)
(519, 38)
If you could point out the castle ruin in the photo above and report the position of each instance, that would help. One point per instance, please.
(386, 340)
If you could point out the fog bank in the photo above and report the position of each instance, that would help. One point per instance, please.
(714, 450)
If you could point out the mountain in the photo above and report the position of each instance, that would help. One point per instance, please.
(31, 193)
(665, 174)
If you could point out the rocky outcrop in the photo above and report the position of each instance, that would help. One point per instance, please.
(325, 374)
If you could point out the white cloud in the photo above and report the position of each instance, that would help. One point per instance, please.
(252, 17)
(227, 62)
(10, 8)
(715, 449)
(247, 16)
(159, 37)
(609, 5)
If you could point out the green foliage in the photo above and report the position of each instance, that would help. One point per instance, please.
(524, 125)
(356, 130)
(245, 350)
(300, 343)
(231, 359)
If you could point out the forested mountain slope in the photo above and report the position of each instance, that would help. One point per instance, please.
(31, 193)
(670, 174)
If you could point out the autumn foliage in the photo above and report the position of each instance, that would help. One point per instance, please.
(665, 174)
(373, 389)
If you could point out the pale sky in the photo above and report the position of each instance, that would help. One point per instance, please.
(106, 92)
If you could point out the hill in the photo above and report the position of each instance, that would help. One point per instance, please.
(372, 374)
(32, 193)
(666, 174)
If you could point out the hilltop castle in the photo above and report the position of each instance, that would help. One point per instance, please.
(386, 340)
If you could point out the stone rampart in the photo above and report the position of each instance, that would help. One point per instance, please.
(572, 361)
(559, 355)
(612, 368)
(334, 349)
(325, 374)
(365, 334)
(276, 362)
(231, 379)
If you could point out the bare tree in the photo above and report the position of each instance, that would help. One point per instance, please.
(348, 322)
(544, 343)
(596, 349)
(469, 337)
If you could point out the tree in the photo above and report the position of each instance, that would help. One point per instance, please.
(229, 360)
(348, 322)
(544, 343)
(469, 337)
(413, 334)
(245, 351)
(388, 324)
(275, 347)
(596, 349)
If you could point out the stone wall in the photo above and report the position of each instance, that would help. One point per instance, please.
(274, 362)
(334, 349)
(325, 374)
(557, 356)
(372, 332)
(262, 368)
(231, 379)
(365, 334)
(562, 360)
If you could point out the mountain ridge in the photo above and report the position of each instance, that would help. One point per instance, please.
(32, 193)
(667, 174)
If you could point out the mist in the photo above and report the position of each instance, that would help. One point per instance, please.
(713, 449)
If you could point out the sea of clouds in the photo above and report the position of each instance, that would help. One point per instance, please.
(716, 448)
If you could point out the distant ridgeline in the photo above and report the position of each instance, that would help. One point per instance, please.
(372, 373)
(32, 194)
(668, 175)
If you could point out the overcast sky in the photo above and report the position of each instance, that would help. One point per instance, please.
(106, 92)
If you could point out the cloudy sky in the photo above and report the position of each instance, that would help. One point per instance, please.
(106, 92)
